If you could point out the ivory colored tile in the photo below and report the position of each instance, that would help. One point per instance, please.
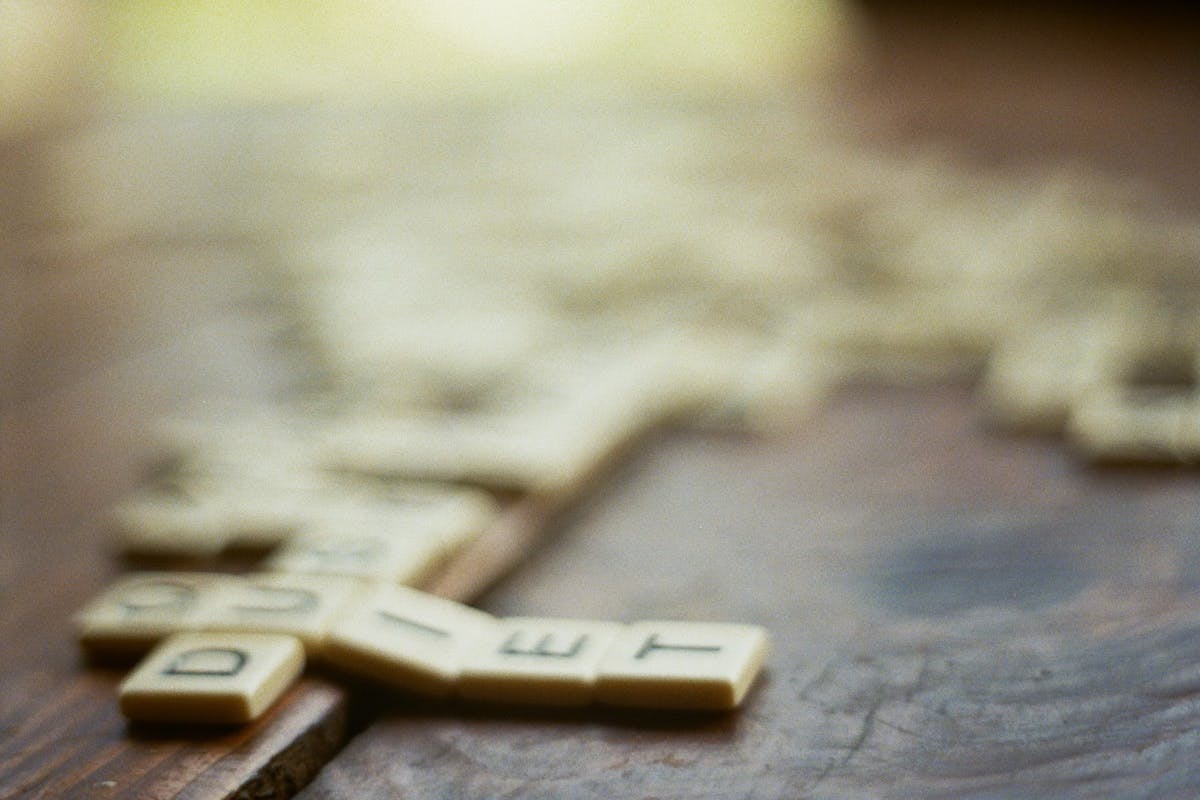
(381, 556)
(753, 384)
(225, 678)
(1120, 426)
(264, 442)
(169, 524)
(489, 450)
(685, 665)
(1189, 432)
(1036, 372)
(545, 433)
(455, 515)
(297, 605)
(137, 611)
(260, 516)
(456, 339)
(536, 661)
(397, 533)
(405, 637)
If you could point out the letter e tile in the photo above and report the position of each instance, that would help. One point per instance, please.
(534, 661)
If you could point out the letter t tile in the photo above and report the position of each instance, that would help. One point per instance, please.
(686, 665)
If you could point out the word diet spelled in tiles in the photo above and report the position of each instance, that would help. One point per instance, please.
(221, 648)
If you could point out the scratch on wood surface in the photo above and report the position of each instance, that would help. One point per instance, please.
(864, 732)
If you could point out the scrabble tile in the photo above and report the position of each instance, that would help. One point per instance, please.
(527, 660)
(381, 556)
(298, 605)
(170, 523)
(545, 432)
(221, 678)
(379, 329)
(202, 515)
(685, 665)
(263, 515)
(491, 450)
(406, 638)
(1189, 432)
(455, 515)
(414, 514)
(1118, 425)
(451, 515)
(1036, 372)
(137, 611)
(751, 384)
(250, 444)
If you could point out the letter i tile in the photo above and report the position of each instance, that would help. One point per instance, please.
(685, 665)
(405, 637)
(220, 678)
(528, 660)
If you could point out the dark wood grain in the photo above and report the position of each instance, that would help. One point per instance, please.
(65, 738)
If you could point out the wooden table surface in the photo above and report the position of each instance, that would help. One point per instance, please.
(954, 613)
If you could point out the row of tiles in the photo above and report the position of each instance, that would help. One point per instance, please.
(400, 637)
(307, 523)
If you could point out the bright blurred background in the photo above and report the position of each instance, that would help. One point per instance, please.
(55, 54)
